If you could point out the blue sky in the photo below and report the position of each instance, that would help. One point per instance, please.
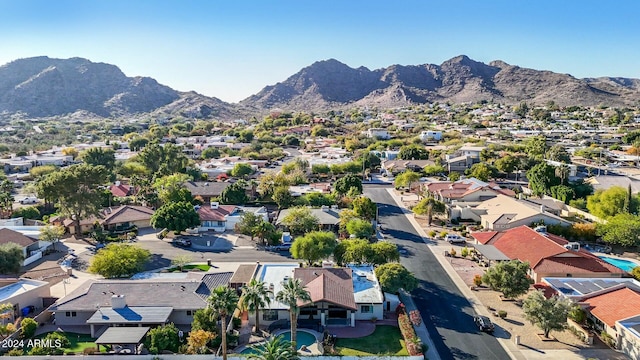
(231, 49)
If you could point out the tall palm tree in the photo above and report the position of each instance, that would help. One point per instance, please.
(562, 172)
(292, 292)
(274, 349)
(256, 296)
(223, 301)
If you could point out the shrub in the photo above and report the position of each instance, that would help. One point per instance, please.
(452, 252)
(477, 280)
(64, 342)
(432, 233)
(610, 341)
(28, 328)
(464, 252)
(577, 314)
(443, 234)
(502, 314)
(414, 316)
(237, 322)
(15, 352)
(89, 351)
(408, 333)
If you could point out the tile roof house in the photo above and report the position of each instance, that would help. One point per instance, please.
(328, 217)
(206, 189)
(392, 167)
(339, 296)
(119, 218)
(121, 190)
(31, 248)
(147, 302)
(504, 212)
(548, 255)
(220, 218)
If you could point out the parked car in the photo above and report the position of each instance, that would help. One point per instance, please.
(280, 247)
(181, 242)
(29, 200)
(483, 323)
(455, 239)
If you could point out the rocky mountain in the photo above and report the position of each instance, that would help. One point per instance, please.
(331, 83)
(43, 87)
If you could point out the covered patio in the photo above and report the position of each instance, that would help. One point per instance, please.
(489, 253)
(129, 316)
(122, 340)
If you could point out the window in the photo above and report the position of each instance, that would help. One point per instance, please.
(366, 309)
(189, 313)
(221, 223)
(309, 310)
(269, 315)
(71, 314)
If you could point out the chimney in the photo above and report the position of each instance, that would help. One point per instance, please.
(324, 208)
(215, 204)
(118, 301)
(520, 196)
(118, 183)
(541, 209)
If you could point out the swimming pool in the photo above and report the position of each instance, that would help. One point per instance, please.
(625, 265)
(303, 338)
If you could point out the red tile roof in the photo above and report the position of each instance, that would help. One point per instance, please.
(332, 285)
(615, 305)
(525, 244)
(484, 237)
(547, 290)
(206, 213)
(121, 190)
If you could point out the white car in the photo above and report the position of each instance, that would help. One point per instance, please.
(455, 239)
(29, 200)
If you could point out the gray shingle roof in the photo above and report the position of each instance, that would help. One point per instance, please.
(212, 281)
(175, 293)
(206, 188)
(325, 217)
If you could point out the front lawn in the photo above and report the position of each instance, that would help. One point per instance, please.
(79, 342)
(386, 340)
(201, 267)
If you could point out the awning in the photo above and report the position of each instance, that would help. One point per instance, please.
(122, 336)
(131, 315)
(491, 252)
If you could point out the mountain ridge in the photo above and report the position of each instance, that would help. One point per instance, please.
(45, 87)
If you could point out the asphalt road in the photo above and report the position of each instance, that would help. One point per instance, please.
(448, 314)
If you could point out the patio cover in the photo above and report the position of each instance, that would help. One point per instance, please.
(122, 336)
(131, 315)
(491, 252)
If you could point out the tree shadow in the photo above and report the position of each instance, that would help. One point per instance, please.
(461, 354)
(514, 322)
(532, 348)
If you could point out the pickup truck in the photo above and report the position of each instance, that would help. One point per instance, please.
(29, 200)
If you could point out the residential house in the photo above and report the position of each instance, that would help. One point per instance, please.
(339, 296)
(100, 304)
(393, 167)
(328, 217)
(378, 133)
(460, 163)
(505, 212)
(26, 295)
(220, 218)
(548, 255)
(206, 190)
(125, 217)
(32, 248)
(612, 304)
(430, 135)
(121, 190)
(604, 182)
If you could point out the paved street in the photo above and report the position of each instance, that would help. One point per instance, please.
(447, 313)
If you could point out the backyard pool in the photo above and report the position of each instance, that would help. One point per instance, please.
(625, 265)
(303, 338)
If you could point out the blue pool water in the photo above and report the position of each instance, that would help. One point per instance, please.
(303, 338)
(625, 265)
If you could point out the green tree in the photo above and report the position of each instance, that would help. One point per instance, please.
(413, 152)
(175, 217)
(292, 294)
(10, 258)
(406, 179)
(481, 171)
(171, 188)
(241, 170)
(393, 277)
(300, 220)
(163, 338)
(316, 199)
(620, 229)
(548, 314)
(39, 171)
(52, 234)
(266, 230)
(276, 348)
(204, 319)
(364, 208)
(563, 193)
(210, 153)
(429, 206)
(137, 143)
(223, 301)
(249, 223)
(162, 160)
(282, 197)
(558, 153)
(371, 161)
(541, 178)
(454, 176)
(347, 182)
(383, 252)
(234, 194)
(28, 328)
(509, 277)
(320, 169)
(255, 297)
(536, 146)
(99, 156)
(507, 164)
(352, 251)
(314, 246)
(198, 340)
(431, 170)
(27, 212)
(76, 189)
(360, 228)
(119, 260)
(607, 203)
(181, 261)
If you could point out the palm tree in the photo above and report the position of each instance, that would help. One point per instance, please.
(223, 301)
(274, 349)
(256, 296)
(292, 292)
(562, 172)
